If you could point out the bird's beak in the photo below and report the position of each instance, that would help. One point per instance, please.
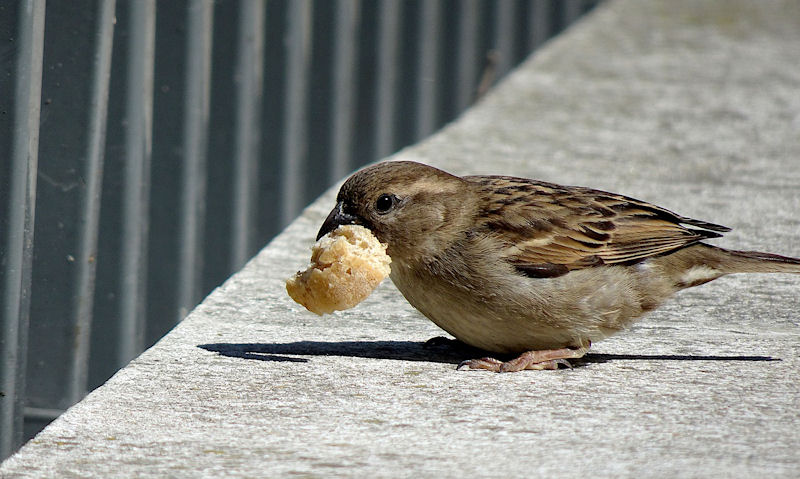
(336, 218)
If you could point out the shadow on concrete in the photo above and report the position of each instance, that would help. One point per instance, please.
(439, 350)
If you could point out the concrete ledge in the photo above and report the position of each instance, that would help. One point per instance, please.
(691, 105)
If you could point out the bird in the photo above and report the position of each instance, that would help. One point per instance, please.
(537, 270)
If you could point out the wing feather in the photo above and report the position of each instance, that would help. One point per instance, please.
(550, 229)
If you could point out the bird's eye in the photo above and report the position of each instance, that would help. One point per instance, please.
(384, 203)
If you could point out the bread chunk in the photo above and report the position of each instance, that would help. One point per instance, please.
(347, 264)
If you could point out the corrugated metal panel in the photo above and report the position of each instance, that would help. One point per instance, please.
(249, 83)
(89, 214)
(136, 187)
(19, 221)
(177, 137)
(429, 48)
(466, 75)
(298, 67)
(197, 99)
(348, 13)
(388, 59)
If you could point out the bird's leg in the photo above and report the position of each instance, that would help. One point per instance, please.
(536, 360)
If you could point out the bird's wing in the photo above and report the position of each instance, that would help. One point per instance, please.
(550, 230)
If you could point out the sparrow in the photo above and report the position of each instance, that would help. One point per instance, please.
(515, 265)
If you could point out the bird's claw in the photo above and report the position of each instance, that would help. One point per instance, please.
(531, 360)
(490, 364)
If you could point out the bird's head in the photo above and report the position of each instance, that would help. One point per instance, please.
(415, 209)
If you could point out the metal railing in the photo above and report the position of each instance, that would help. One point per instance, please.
(148, 149)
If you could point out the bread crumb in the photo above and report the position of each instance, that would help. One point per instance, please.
(347, 264)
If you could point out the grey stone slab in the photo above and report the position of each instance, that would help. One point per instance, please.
(691, 105)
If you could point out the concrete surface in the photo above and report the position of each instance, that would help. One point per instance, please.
(691, 105)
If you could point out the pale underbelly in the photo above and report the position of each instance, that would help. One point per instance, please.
(565, 312)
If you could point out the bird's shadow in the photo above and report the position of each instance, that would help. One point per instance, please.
(439, 350)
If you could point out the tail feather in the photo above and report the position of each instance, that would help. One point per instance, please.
(701, 263)
(757, 262)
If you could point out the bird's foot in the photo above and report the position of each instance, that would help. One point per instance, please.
(533, 360)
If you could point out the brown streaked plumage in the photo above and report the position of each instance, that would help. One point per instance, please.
(513, 265)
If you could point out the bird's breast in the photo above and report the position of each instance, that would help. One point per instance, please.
(481, 312)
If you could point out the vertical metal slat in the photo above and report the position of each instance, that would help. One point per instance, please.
(136, 190)
(572, 10)
(428, 75)
(195, 141)
(466, 66)
(388, 30)
(250, 85)
(504, 37)
(344, 79)
(298, 60)
(539, 23)
(19, 236)
(90, 202)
